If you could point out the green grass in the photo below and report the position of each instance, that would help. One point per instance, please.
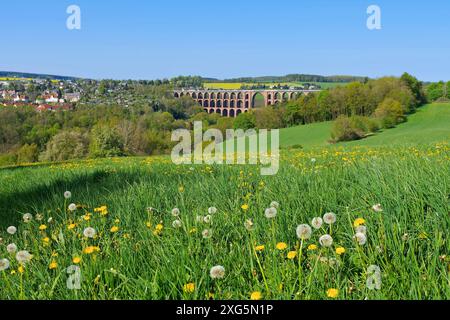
(428, 125)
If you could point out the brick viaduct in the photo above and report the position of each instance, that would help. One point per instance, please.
(230, 103)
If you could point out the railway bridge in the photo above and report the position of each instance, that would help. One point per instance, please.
(230, 103)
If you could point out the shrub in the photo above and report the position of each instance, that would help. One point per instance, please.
(245, 121)
(106, 142)
(66, 145)
(28, 153)
(390, 113)
(347, 129)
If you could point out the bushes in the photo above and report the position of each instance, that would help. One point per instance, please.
(28, 153)
(352, 128)
(66, 145)
(106, 142)
(389, 113)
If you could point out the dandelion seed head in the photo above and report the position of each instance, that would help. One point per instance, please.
(249, 225)
(212, 210)
(377, 207)
(177, 224)
(207, 219)
(217, 272)
(329, 218)
(207, 234)
(175, 212)
(11, 248)
(89, 232)
(360, 238)
(326, 241)
(72, 207)
(317, 222)
(361, 229)
(11, 230)
(23, 257)
(270, 213)
(67, 194)
(304, 232)
(4, 264)
(27, 217)
(274, 204)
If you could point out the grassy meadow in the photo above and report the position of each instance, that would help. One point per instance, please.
(119, 231)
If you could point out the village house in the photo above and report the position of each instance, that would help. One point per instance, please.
(51, 97)
(72, 97)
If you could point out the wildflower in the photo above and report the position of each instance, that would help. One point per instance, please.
(89, 232)
(281, 246)
(27, 217)
(360, 238)
(21, 269)
(193, 230)
(312, 247)
(245, 207)
(249, 225)
(326, 240)
(53, 265)
(149, 209)
(71, 226)
(329, 218)
(158, 229)
(270, 213)
(114, 229)
(377, 208)
(359, 222)
(340, 250)
(361, 229)
(317, 222)
(76, 260)
(274, 204)
(50, 220)
(175, 212)
(91, 249)
(103, 210)
(72, 207)
(260, 248)
(87, 217)
(189, 288)
(181, 189)
(11, 248)
(177, 223)
(46, 240)
(4, 264)
(23, 257)
(313, 160)
(207, 219)
(207, 233)
(39, 217)
(42, 227)
(212, 210)
(332, 293)
(256, 295)
(217, 272)
(67, 194)
(11, 230)
(304, 232)
(291, 255)
(405, 237)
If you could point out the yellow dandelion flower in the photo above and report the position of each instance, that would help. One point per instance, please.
(114, 229)
(281, 246)
(259, 248)
(53, 265)
(291, 255)
(87, 217)
(181, 189)
(359, 222)
(312, 247)
(256, 295)
(159, 227)
(91, 249)
(245, 207)
(340, 250)
(76, 260)
(148, 224)
(21, 269)
(332, 293)
(46, 240)
(189, 288)
(126, 236)
(193, 230)
(42, 227)
(117, 221)
(71, 226)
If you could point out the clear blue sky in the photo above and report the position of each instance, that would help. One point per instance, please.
(154, 39)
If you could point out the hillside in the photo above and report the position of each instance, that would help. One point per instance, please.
(428, 125)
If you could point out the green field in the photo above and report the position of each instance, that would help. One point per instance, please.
(430, 124)
(143, 253)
